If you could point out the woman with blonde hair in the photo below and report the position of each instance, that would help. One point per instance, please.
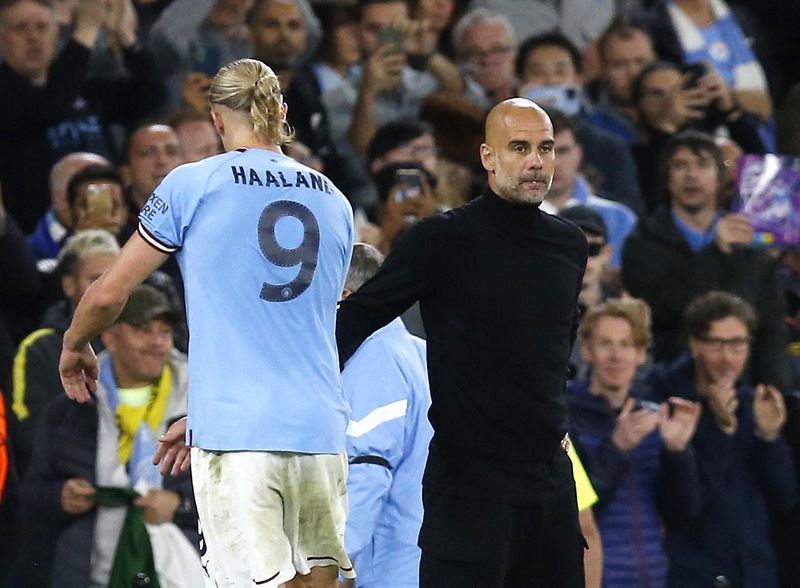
(264, 245)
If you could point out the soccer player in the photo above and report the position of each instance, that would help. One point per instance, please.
(264, 244)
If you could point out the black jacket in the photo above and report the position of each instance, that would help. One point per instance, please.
(659, 266)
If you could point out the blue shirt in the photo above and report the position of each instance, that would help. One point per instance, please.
(620, 220)
(697, 240)
(386, 382)
(263, 243)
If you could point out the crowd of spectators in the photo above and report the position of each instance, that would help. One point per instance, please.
(685, 383)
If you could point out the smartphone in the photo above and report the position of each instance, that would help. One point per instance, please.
(391, 37)
(408, 184)
(693, 73)
(646, 405)
(99, 200)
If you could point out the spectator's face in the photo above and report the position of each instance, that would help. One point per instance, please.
(28, 35)
(198, 140)
(154, 152)
(278, 35)
(693, 180)
(139, 353)
(731, 155)
(346, 46)
(657, 87)
(229, 13)
(549, 65)
(567, 163)
(613, 355)
(599, 256)
(622, 61)
(489, 52)
(721, 355)
(88, 270)
(437, 12)
(518, 154)
(99, 205)
(377, 17)
(421, 150)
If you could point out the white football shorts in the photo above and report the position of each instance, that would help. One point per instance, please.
(266, 516)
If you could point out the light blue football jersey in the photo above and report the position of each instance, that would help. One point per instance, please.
(264, 244)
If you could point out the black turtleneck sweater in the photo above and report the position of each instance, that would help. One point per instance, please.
(498, 285)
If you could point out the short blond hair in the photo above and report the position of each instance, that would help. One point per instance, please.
(633, 310)
(250, 86)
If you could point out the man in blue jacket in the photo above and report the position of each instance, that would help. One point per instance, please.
(720, 531)
(386, 384)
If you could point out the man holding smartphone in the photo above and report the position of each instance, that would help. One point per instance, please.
(498, 282)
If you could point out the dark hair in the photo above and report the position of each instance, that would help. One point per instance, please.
(697, 142)
(636, 86)
(332, 15)
(622, 27)
(714, 306)
(554, 38)
(9, 3)
(91, 173)
(562, 122)
(394, 134)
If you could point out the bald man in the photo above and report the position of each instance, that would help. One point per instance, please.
(498, 283)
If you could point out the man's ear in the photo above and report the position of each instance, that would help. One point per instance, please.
(487, 157)
(68, 286)
(219, 124)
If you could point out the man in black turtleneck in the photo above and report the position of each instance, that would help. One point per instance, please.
(498, 283)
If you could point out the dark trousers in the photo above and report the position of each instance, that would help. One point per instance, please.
(473, 541)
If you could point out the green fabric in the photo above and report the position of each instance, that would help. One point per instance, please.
(134, 553)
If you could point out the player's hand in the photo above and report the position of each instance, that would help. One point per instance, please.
(733, 229)
(78, 371)
(678, 428)
(76, 496)
(172, 452)
(159, 506)
(769, 412)
(633, 426)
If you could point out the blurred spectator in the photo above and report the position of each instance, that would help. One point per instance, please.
(582, 21)
(719, 532)
(54, 226)
(569, 187)
(549, 71)
(50, 107)
(82, 450)
(413, 140)
(84, 257)
(401, 67)
(593, 289)
(197, 137)
(485, 47)
(153, 151)
(192, 39)
(731, 155)
(283, 34)
(337, 52)
(95, 196)
(628, 448)
(624, 49)
(441, 14)
(691, 247)
(670, 100)
(401, 204)
(20, 284)
(386, 384)
(707, 31)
